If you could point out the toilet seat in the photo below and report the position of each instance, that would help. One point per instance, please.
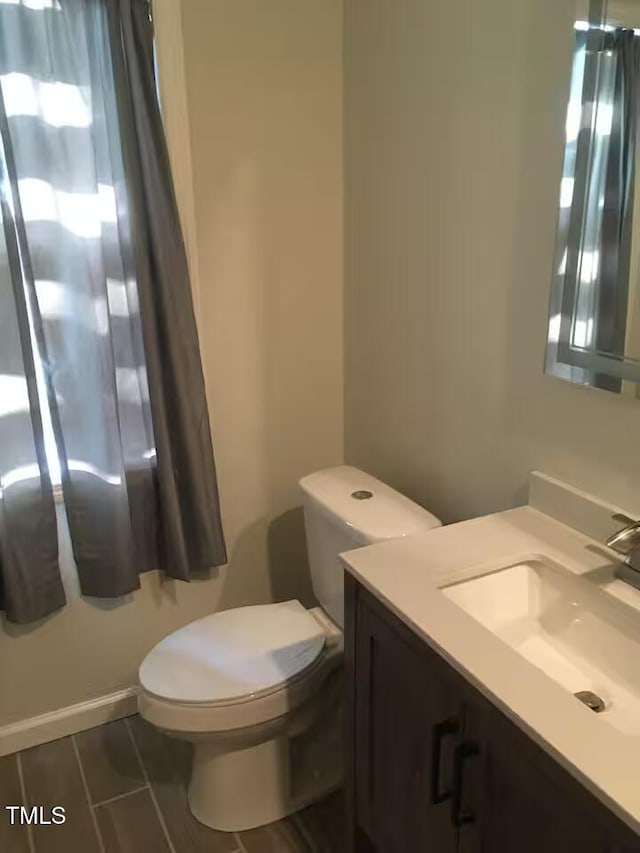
(234, 654)
(285, 655)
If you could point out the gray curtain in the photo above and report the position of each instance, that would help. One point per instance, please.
(186, 473)
(112, 313)
(30, 584)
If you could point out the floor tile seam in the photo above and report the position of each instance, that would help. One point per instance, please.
(152, 793)
(121, 796)
(25, 800)
(94, 817)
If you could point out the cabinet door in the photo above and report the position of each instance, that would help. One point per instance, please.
(510, 799)
(407, 721)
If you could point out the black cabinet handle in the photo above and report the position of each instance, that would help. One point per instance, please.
(439, 731)
(463, 752)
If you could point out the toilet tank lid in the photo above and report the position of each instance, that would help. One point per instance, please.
(372, 509)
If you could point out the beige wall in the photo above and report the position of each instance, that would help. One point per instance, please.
(454, 120)
(623, 12)
(264, 97)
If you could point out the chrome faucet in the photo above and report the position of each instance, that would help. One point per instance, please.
(627, 543)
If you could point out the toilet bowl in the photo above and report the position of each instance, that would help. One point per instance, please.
(243, 686)
(257, 689)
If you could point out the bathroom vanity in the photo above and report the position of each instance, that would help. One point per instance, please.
(463, 730)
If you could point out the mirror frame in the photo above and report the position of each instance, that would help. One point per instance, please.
(563, 360)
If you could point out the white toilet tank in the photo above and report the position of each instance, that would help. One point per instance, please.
(344, 508)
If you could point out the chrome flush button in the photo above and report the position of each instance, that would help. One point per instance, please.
(361, 495)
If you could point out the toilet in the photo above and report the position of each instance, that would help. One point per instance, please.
(258, 689)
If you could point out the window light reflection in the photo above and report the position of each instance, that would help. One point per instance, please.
(554, 329)
(585, 26)
(566, 192)
(14, 395)
(58, 104)
(583, 334)
(574, 120)
(130, 389)
(36, 5)
(81, 213)
(32, 472)
(122, 298)
(589, 264)
(604, 119)
(52, 298)
(17, 475)
(563, 264)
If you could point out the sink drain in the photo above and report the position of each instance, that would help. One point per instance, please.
(591, 700)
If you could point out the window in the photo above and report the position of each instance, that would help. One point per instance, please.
(64, 188)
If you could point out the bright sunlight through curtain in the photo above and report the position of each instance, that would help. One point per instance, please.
(105, 329)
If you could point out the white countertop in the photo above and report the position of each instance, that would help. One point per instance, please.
(406, 575)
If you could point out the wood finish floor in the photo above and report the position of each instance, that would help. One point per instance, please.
(123, 786)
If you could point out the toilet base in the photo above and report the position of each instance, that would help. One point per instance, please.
(241, 789)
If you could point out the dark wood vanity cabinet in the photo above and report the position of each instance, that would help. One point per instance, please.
(404, 723)
(433, 766)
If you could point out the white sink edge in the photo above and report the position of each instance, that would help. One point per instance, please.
(564, 624)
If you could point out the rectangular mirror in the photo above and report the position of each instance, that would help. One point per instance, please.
(594, 318)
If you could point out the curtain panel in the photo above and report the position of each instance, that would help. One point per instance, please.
(30, 583)
(104, 276)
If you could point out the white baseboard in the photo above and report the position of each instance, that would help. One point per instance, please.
(67, 721)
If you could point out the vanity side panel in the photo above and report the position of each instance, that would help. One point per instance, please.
(351, 592)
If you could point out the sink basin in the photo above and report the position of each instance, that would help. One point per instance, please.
(567, 626)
